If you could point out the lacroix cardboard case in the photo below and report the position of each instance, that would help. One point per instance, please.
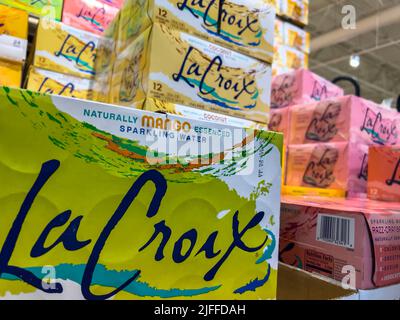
(279, 32)
(11, 73)
(337, 166)
(353, 241)
(183, 219)
(384, 173)
(296, 37)
(241, 25)
(344, 119)
(90, 15)
(49, 8)
(191, 72)
(290, 57)
(296, 10)
(57, 83)
(280, 122)
(64, 49)
(13, 34)
(300, 87)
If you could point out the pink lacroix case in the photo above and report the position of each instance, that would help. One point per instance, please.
(89, 15)
(340, 166)
(279, 122)
(344, 119)
(384, 173)
(299, 87)
(338, 238)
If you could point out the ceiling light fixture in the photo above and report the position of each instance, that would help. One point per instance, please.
(355, 61)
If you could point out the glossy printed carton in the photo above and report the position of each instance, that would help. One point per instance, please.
(384, 173)
(159, 210)
(40, 8)
(279, 32)
(295, 10)
(64, 49)
(13, 34)
(11, 74)
(57, 83)
(338, 166)
(290, 57)
(300, 87)
(176, 67)
(353, 241)
(246, 26)
(344, 119)
(296, 37)
(280, 122)
(90, 15)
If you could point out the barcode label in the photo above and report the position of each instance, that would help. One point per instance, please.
(336, 230)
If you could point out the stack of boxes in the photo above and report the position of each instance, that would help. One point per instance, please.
(215, 57)
(63, 60)
(13, 45)
(292, 42)
(327, 134)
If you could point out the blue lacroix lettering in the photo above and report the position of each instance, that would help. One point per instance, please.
(67, 89)
(231, 22)
(70, 241)
(83, 54)
(214, 82)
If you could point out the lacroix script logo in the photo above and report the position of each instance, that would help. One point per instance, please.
(319, 171)
(283, 92)
(323, 124)
(216, 83)
(382, 131)
(97, 17)
(229, 21)
(53, 87)
(172, 247)
(83, 54)
(319, 92)
(395, 179)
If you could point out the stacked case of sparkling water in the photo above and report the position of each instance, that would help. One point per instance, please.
(190, 57)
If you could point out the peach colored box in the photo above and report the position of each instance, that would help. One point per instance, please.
(340, 166)
(89, 15)
(384, 173)
(299, 87)
(336, 238)
(279, 122)
(344, 119)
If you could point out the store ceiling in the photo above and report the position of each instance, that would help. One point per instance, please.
(379, 71)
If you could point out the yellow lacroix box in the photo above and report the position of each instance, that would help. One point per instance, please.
(296, 37)
(106, 47)
(177, 67)
(159, 106)
(291, 58)
(65, 49)
(296, 10)
(56, 83)
(100, 87)
(13, 33)
(11, 73)
(246, 26)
